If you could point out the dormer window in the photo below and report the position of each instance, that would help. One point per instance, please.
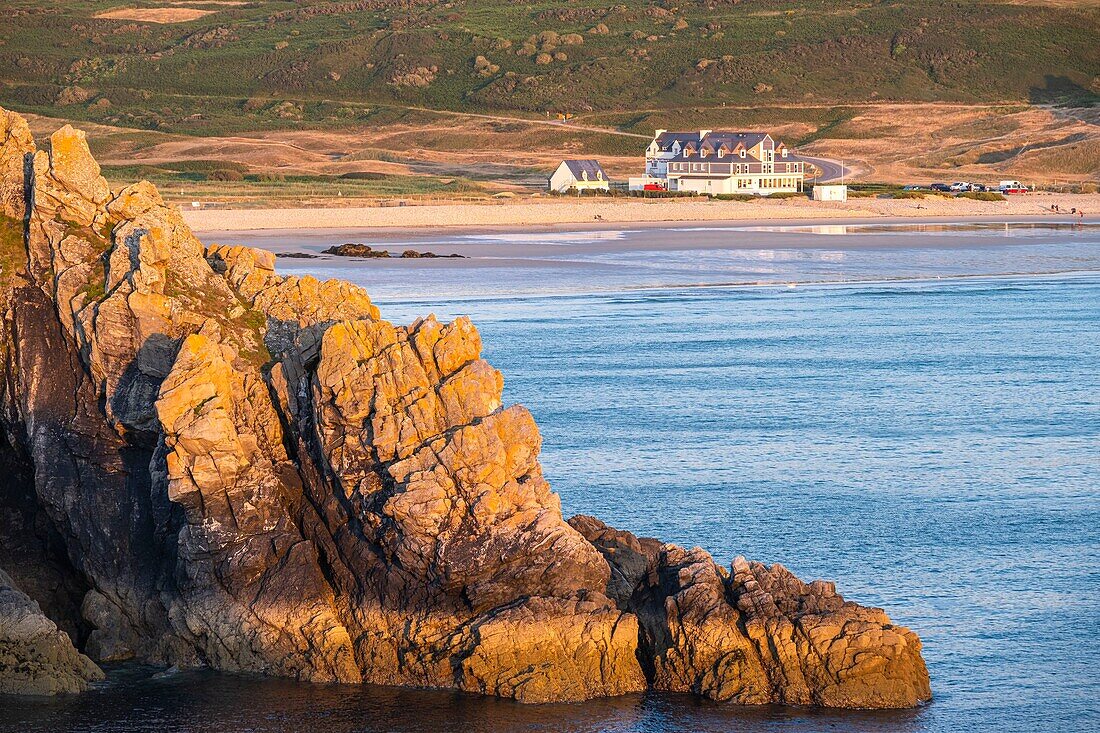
(742, 152)
(599, 175)
(783, 152)
(584, 175)
(703, 152)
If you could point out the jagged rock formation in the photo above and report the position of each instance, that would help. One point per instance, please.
(755, 634)
(215, 465)
(35, 657)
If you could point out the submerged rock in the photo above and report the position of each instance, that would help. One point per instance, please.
(355, 249)
(297, 256)
(235, 469)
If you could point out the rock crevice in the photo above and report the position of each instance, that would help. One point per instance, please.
(257, 473)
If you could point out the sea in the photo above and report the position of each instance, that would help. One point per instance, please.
(912, 411)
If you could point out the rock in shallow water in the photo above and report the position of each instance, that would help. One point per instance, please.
(257, 473)
(35, 657)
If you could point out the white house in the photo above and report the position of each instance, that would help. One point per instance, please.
(717, 162)
(578, 175)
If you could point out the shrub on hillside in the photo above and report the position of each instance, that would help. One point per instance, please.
(983, 196)
(226, 174)
(364, 176)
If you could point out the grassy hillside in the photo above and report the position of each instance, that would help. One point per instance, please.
(271, 65)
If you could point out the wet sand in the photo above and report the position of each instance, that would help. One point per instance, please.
(559, 260)
(498, 245)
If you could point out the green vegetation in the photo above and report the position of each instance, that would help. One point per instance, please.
(983, 196)
(275, 64)
(226, 181)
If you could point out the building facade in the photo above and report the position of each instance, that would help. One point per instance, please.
(718, 162)
(578, 175)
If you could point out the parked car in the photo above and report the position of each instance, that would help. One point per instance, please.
(940, 187)
(913, 187)
(959, 186)
(979, 187)
(1012, 187)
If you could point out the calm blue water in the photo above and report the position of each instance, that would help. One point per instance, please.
(932, 445)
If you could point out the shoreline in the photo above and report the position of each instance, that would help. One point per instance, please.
(915, 280)
(613, 213)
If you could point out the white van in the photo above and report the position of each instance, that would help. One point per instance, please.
(1012, 187)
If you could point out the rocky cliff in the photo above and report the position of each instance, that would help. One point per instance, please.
(209, 464)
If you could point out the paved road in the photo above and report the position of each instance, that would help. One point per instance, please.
(831, 170)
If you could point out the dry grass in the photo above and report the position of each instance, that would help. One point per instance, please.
(900, 143)
(924, 143)
(155, 15)
(1049, 3)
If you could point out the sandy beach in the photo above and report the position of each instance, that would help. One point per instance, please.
(550, 212)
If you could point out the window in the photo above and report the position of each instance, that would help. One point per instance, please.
(784, 152)
(742, 151)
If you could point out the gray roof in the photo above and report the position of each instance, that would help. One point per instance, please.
(731, 139)
(666, 139)
(579, 167)
(712, 140)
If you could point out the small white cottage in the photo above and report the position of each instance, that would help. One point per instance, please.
(830, 193)
(578, 175)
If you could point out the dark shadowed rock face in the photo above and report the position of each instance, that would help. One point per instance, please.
(215, 465)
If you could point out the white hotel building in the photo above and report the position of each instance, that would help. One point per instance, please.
(717, 162)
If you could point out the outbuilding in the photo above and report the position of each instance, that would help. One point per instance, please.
(830, 193)
(579, 175)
